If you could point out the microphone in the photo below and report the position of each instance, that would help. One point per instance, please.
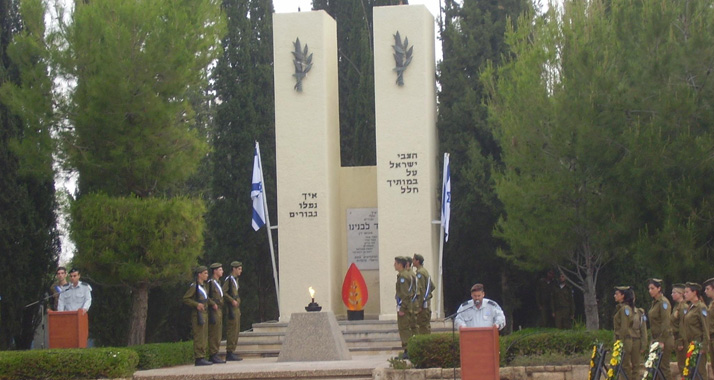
(452, 316)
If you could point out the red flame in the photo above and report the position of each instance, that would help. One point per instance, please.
(354, 289)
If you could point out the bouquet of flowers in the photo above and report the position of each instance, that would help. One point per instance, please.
(690, 365)
(615, 360)
(655, 352)
(594, 358)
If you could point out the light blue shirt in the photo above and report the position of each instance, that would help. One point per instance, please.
(486, 315)
(74, 298)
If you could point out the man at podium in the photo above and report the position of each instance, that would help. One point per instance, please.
(480, 311)
(76, 295)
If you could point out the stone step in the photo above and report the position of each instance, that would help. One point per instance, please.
(350, 325)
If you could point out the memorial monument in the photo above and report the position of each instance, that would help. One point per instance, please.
(331, 216)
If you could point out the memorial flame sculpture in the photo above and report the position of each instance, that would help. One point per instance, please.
(354, 289)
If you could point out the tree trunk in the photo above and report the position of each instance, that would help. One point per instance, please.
(592, 318)
(139, 308)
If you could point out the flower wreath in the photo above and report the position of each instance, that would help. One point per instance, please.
(615, 360)
(655, 351)
(593, 359)
(690, 365)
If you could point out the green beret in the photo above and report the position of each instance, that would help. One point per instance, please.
(694, 286)
(236, 264)
(200, 268)
(216, 265)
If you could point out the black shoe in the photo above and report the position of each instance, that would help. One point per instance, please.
(202, 361)
(405, 355)
(233, 357)
(216, 360)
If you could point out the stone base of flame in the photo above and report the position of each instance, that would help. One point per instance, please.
(313, 336)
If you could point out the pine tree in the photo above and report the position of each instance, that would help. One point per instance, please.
(29, 243)
(244, 113)
(473, 34)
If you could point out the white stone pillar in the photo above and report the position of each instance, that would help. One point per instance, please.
(407, 170)
(307, 162)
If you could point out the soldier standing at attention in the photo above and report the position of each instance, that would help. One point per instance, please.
(562, 304)
(543, 297)
(694, 325)
(232, 300)
(215, 314)
(413, 302)
(640, 342)
(425, 290)
(58, 286)
(709, 291)
(405, 292)
(660, 324)
(622, 324)
(677, 317)
(197, 298)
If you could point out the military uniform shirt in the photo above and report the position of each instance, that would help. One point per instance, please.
(405, 290)
(623, 321)
(74, 298)
(694, 325)
(487, 315)
(659, 316)
(425, 287)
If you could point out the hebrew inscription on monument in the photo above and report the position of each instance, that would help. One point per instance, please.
(363, 238)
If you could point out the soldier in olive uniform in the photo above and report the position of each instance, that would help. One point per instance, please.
(622, 323)
(425, 290)
(404, 294)
(660, 324)
(413, 303)
(562, 304)
(58, 286)
(694, 324)
(640, 341)
(215, 313)
(232, 300)
(544, 289)
(709, 291)
(677, 317)
(197, 298)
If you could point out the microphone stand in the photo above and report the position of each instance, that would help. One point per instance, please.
(453, 334)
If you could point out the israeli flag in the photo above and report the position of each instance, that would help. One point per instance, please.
(256, 191)
(446, 197)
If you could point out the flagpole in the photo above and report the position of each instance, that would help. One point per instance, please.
(269, 228)
(441, 236)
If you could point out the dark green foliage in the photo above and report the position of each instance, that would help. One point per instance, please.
(68, 364)
(472, 35)
(243, 81)
(442, 350)
(160, 355)
(434, 351)
(29, 244)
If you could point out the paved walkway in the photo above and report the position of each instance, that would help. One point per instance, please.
(360, 367)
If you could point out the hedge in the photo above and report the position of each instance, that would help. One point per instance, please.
(68, 363)
(92, 363)
(442, 350)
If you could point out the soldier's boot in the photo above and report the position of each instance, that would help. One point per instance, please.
(202, 361)
(233, 357)
(216, 359)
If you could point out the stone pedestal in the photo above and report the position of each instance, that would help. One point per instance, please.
(313, 336)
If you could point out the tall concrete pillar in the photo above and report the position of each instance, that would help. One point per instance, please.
(307, 160)
(407, 170)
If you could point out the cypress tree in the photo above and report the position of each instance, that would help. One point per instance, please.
(29, 244)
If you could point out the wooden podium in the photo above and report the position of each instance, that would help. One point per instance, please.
(479, 353)
(68, 329)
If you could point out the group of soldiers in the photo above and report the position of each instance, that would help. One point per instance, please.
(675, 328)
(414, 292)
(555, 301)
(209, 298)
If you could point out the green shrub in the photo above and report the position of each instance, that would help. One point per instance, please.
(68, 363)
(435, 350)
(158, 355)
